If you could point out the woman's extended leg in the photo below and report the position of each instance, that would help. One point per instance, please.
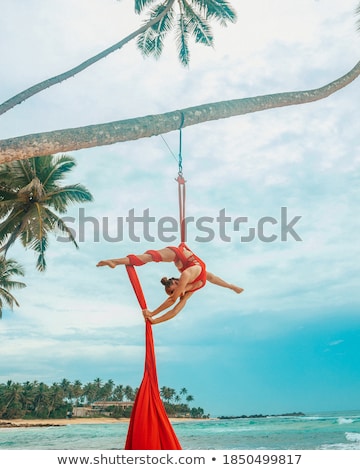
(166, 255)
(220, 282)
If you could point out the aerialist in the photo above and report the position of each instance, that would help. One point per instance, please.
(193, 277)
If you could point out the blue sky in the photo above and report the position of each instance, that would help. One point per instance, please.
(290, 341)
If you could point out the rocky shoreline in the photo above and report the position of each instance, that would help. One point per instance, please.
(12, 424)
(285, 415)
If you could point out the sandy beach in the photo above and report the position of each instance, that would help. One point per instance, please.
(27, 423)
(57, 422)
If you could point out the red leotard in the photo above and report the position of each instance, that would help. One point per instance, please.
(192, 260)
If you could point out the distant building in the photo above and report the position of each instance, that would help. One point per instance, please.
(99, 407)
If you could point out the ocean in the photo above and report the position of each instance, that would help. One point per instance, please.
(315, 431)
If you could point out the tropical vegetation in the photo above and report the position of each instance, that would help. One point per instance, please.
(8, 269)
(192, 20)
(30, 400)
(31, 197)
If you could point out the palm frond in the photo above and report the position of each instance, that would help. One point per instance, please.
(39, 246)
(66, 230)
(8, 198)
(24, 169)
(219, 10)
(140, 4)
(16, 174)
(357, 12)
(14, 285)
(51, 170)
(9, 298)
(35, 226)
(11, 227)
(151, 41)
(59, 224)
(182, 40)
(9, 267)
(197, 26)
(41, 262)
(61, 197)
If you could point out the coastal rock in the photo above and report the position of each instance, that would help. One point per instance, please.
(12, 424)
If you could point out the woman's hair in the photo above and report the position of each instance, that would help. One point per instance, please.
(168, 282)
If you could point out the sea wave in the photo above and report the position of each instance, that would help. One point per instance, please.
(345, 421)
(312, 418)
(352, 443)
(352, 436)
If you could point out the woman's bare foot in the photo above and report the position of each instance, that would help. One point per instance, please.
(237, 289)
(107, 262)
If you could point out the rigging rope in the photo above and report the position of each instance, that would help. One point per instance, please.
(181, 188)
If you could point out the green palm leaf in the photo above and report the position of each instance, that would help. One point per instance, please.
(60, 198)
(39, 246)
(151, 41)
(50, 170)
(182, 40)
(11, 226)
(193, 21)
(57, 224)
(7, 200)
(9, 268)
(219, 10)
(198, 27)
(140, 4)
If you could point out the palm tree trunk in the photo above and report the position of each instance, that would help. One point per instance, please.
(66, 140)
(29, 92)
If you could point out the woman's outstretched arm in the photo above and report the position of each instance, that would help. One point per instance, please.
(164, 306)
(170, 314)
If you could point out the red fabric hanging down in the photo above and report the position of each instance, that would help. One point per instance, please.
(149, 428)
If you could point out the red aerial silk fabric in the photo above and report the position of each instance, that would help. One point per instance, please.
(149, 428)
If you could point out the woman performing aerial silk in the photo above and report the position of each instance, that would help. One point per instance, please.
(193, 277)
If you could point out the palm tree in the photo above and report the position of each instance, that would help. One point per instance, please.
(191, 20)
(189, 398)
(9, 268)
(55, 398)
(167, 393)
(77, 391)
(98, 388)
(12, 394)
(41, 400)
(129, 393)
(118, 393)
(90, 391)
(27, 395)
(107, 390)
(30, 196)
